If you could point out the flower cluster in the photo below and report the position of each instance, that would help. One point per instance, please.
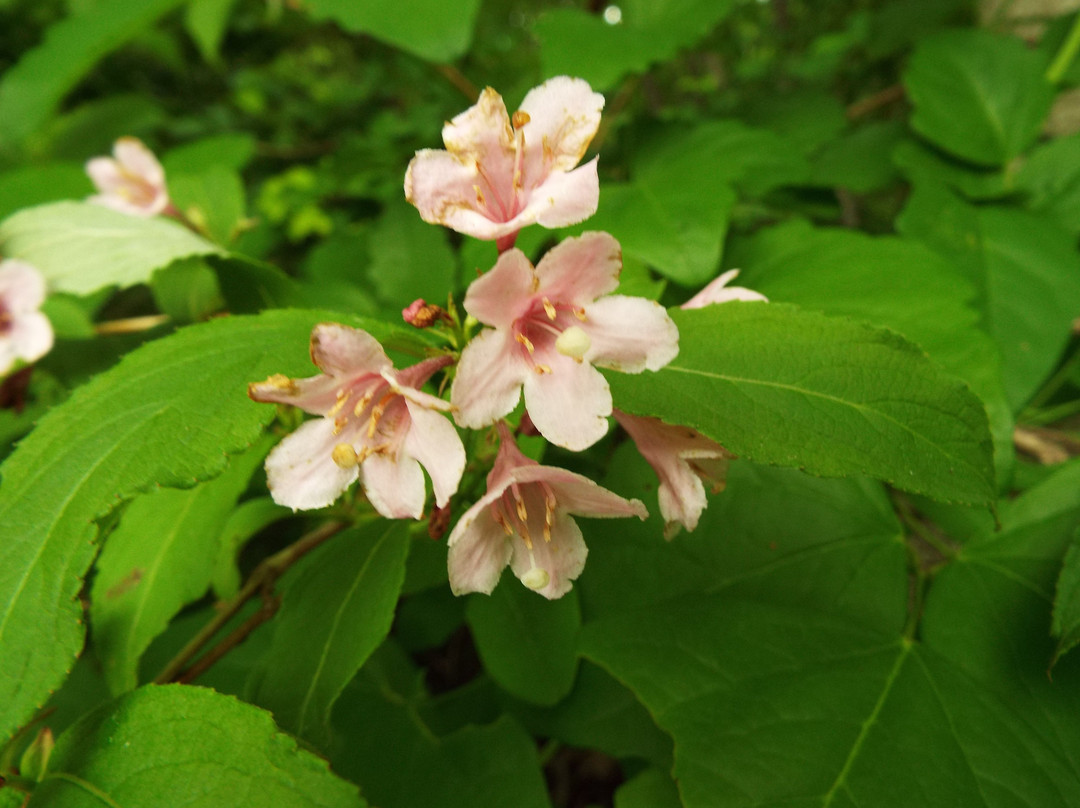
(545, 331)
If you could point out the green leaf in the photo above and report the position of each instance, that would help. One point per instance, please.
(334, 614)
(977, 95)
(213, 198)
(409, 258)
(160, 558)
(1066, 625)
(528, 644)
(1025, 268)
(476, 766)
(831, 396)
(80, 247)
(243, 523)
(170, 413)
(575, 43)
(176, 744)
(809, 699)
(430, 29)
(32, 89)
(35, 185)
(652, 788)
(207, 22)
(187, 290)
(925, 165)
(1051, 178)
(895, 283)
(859, 160)
(233, 150)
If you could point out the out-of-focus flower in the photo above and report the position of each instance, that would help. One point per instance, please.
(524, 520)
(132, 181)
(25, 333)
(718, 291)
(551, 324)
(377, 426)
(501, 173)
(682, 458)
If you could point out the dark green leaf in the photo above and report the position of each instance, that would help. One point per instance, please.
(1066, 626)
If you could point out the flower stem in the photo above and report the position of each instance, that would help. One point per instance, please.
(131, 325)
(260, 581)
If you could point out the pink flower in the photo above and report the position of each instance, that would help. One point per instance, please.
(524, 520)
(25, 333)
(132, 181)
(550, 328)
(681, 458)
(377, 426)
(501, 173)
(717, 291)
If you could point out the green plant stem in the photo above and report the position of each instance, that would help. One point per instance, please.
(261, 580)
(1055, 382)
(907, 516)
(1053, 414)
(1066, 54)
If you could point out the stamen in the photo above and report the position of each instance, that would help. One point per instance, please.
(526, 342)
(361, 405)
(549, 308)
(344, 456)
(579, 312)
(377, 413)
(342, 397)
(542, 369)
(519, 119)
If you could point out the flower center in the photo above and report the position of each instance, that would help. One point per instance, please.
(551, 326)
(368, 415)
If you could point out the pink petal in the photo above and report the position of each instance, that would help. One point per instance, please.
(579, 495)
(564, 114)
(394, 485)
(563, 199)
(435, 443)
(300, 471)
(22, 287)
(505, 293)
(410, 379)
(487, 385)
(630, 334)
(443, 187)
(317, 394)
(30, 336)
(570, 405)
(717, 291)
(105, 173)
(339, 350)
(134, 157)
(482, 132)
(478, 550)
(581, 269)
(562, 558)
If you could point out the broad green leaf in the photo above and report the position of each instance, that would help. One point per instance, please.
(333, 616)
(890, 282)
(169, 414)
(978, 95)
(404, 764)
(831, 396)
(1025, 269)
(1066, 626)
(651, 788)
(92, 128)
(80, 247)
(807, 118)
(179, 744)
(243, 523)
(35, 185)
(409, 258)
(213, 198)
(576, 43)
(528, 644)
(207, 22)
(187, 290)
(233, 150)
(923, 165)
(160, 558)
(32, 89)
(859, 160)
(1051, 179)
(430, 29)
(810, 701)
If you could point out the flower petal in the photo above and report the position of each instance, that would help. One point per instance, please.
(630, 334)
(478, 550)
(579, 270)
(394, 485)
(435, 443)
(570, 405)
(443, 187)
(339, 350)
(717, 291)
(564, 114)
(133, 156)
(502, 295)
(488, 381)
(22, 287)
(300, 471)
(562, 558)
(316, 394)
(562, 199)
(482, 132)
(30, 336)
(579, 495)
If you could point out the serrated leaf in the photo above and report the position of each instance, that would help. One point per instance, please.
(831, 396)
(528, 644)
(169, 414)
(430, 29)
(575, 43)
(334, 614)
(80, 247)
(1026, 271)
(978, 95)
(160, 558)
(32, 89)
(179, 744)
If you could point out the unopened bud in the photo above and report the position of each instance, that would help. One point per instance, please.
(421, 314)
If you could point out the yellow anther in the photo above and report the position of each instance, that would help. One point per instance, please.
(579, 312)
(280, 381)
(520, 118)
(526, 342)
(541, 369)
(345, 456)
(549, 309)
